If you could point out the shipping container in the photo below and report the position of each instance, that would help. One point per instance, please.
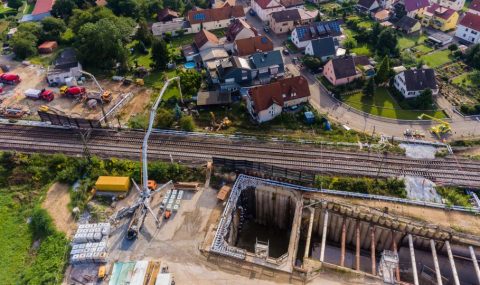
(112, 184)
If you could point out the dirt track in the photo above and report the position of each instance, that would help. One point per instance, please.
(56, 203)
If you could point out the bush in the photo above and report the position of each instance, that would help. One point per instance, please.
(139, 121)
(454, 196)
(388, 187)
(41, 223)
(164, 119)
(187, 123)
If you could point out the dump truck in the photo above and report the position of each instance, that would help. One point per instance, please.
(9, 78)
(104, 98)
(73, 91)
(44, 94)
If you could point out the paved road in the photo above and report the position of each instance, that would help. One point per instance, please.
(344, 115)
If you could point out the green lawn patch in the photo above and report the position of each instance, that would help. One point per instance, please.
(469, 79)
(423, 48)
(410, 41)
(437, 58)
(384, 105)
(362, 50)
(310, 6)
(7, 10)
(188, 39)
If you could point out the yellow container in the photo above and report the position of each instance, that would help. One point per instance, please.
(112, 184)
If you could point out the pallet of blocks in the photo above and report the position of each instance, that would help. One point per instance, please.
(90, 243)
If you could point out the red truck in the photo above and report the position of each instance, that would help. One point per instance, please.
(73, 91)
(9, 78)
(43, 94)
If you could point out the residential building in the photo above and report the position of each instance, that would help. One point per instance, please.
(166, 15)
(265, 102)
(474, 7)
(173, 27)
(323, 48)
(284, 21)
(213, 98)
(205, 40)
(190, 52)
(411, 83)
(215, 18)
(302, 35)
(66, 65)
(289, 4)
(263, 8)
(456, 5)
(41, 10)
(212, 57)
(340, 71)
(469, 28)
(381, 15)
(439, 39)
(408, 25)
(248, 46)
(440, 18)
(240, 29)
(414, 7)
(367, 5)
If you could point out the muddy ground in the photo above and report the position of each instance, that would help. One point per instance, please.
(56, 203)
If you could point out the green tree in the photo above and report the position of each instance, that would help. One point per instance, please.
(186, 123)
(369, 89)
(387, 43)
(24, 44)
(350, 43)
(384, 71)
(41, 223)
(15, 4)
(63, 8)
(453, 47)
(312, 62)
(53, 28)
(160, 56)
(164, 118)
(143, 33)
(472, 56)
(190, 82)
(128, 8)
(424, 101)
(31, 28)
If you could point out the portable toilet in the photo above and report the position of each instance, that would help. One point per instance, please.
(309, 117)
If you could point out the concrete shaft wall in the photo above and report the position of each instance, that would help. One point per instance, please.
(274, 206)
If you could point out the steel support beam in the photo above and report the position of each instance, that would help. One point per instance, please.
(344, 236)
(475, 262)
(395, 251)
(435, 263)
(324, 236)
(452, 263)
(357, 246)
(412, 258)
(309, 235)
(372, 249)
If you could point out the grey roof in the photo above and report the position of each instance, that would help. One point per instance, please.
(366, 3)
(286, 15)
(159, 28)
(344, 67)
(323, 47)
(265, 59)
(205, 98)
(420, 79)
(67, 59)
(406, 23)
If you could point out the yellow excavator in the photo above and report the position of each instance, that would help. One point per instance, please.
(439, 130)
(225, 123)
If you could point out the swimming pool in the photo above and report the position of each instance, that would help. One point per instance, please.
(189, 65)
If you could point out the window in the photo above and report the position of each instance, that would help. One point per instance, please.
(474, 32)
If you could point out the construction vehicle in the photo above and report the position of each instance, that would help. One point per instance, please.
(9, 78)
(413, 133)
(13, 113)
(225, 123)
(45, 108)
(44, 94)
(102, 271)
(104, 98)
(439, 130)
(74, 91)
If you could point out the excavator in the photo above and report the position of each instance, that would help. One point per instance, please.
(225, 123)
(439, 130)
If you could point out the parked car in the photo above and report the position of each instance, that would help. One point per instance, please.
(266, 29)
(252, 12)
(285, 51)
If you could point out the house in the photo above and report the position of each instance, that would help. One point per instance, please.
(323, 48)
(469, 28)
(414, 7)
(284, 21)
(269, 65)
(439, 39)
(213, 98)
(240, 29)
(307, 16)
(474, 7)
(456, 5)
(411, 83)
(215, 18)
(340, 71)
(381, 15)
(205, 40)
(47, 47)
(367, 5)
(190, 52)
(41, 10)
(302, 35)
(174, 27)
(265, 102)
(288, 4)
(248, 46)
(263, 8)
(65, 66)
(166, 15)
(212, 57)
(440, 18)
(408, 25)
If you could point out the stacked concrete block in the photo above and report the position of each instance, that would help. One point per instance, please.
(90, 243)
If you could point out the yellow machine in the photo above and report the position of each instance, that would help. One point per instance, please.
(139, 82)
(102, 271)
(439, 130)
(225, 123)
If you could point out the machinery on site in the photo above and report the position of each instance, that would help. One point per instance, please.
(9, 78)
(439, 130)
(225, 123)
(13, 113)
(73, 91)
(413, 133)
(36, 94)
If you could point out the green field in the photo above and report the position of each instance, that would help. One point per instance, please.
(469, 79)
(384, 105)
(362, 50)
(423, 48)
(437, 58)
(410, 41)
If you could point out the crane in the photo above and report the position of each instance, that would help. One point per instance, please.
(441, 129)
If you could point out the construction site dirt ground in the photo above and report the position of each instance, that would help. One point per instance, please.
(34, 77)
(56, 203)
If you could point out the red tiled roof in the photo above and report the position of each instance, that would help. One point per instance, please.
(294, 88)
(471, 21)
(43, 6)
(203, 37)
(441, 12)
(166, 13)
(215, 14)
(236, 27)
(413, 5)
(252, 45)
(48, 44)
(475, 5)
(264, 3)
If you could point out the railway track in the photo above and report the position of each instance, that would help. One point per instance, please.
(108, 143)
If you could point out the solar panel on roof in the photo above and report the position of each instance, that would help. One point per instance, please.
(312, 30)
(301, 31)
(320, 29)
(199, 17)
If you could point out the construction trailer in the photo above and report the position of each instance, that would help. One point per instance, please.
(112, 185)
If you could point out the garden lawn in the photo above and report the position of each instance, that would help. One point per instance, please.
(362, 50)
(410, 41)
(437, 58)
(384, 105)
(423, 48)
(466, 79)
